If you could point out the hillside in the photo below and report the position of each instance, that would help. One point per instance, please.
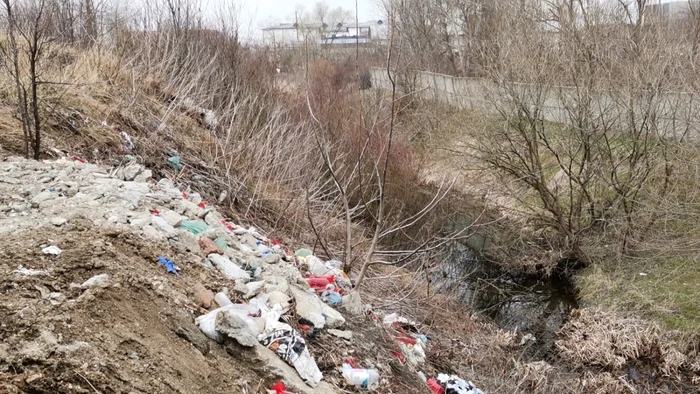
(183, 212)
(104, 316)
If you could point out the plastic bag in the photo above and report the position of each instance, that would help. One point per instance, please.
(291, 347)
(455, 385)
(303, 252)
(196, 227)
(331, 297)
(317, 267)
(207, 322)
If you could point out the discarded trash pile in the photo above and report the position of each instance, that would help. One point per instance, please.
(273, 301)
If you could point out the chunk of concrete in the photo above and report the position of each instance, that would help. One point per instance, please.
(163, 226)
(227, 267)
(173, 218)
(309, 306)
(213, 218)
(234, 327)
(352, 303)
(144, 176)
(249, 290)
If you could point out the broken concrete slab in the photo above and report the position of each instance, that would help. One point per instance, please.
(173, 218)
(233, 326)
(309, 307)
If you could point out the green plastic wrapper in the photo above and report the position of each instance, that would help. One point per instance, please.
(196, 227)
(303, 252)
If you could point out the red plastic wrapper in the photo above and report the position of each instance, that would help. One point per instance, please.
(435, 386)
(407, 340)
(320, 282)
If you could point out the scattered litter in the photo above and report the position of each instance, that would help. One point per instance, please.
(30, 272)
(222, 196)
(169, 265)
(209, 247)
(52, 250)
(303, 252)
(527, 338)
(643, 274)
(128, 143)
(221, 243)
(399, 356)
(435, 387)
(227, 267)
(357, 376)
(341, 334)
(229, 226)
(316, 266)
(291, 347)
(222, 299)
(174, 162)
(331, 297)
(262, 248)
(320, 282)
(196, 227)
(452, 384)
(207, 322)
(279, 388)
(400, 322)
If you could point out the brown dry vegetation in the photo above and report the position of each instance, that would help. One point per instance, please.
(264, 153)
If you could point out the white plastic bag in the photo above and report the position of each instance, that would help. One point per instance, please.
(207, 322)
(316, 266)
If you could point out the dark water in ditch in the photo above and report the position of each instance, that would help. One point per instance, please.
(531, 305)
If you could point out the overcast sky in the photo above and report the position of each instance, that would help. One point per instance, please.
(256, 14)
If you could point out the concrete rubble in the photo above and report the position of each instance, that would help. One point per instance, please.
(34, 194)
(265, 281)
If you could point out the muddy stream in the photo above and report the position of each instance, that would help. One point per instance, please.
(514, 301)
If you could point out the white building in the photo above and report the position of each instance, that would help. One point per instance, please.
(669, 9)
(292, 34)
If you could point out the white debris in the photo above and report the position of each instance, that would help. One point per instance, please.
(30, 272)
(52, 250)
(97, 280)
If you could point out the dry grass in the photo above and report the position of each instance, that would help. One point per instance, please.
(595, 338)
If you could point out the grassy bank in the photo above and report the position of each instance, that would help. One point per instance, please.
(658, 278)
(665, 290)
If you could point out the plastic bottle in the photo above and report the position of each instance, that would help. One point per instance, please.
(435, 386)
(262, 248)
(222, 299)
(320, 282)
(360, 377)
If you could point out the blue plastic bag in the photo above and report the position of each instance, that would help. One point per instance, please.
(169, 265)
(331, 297)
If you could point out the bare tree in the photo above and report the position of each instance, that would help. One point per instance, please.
(29, 22)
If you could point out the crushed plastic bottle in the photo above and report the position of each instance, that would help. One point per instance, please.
(262, 248)
(359, 377)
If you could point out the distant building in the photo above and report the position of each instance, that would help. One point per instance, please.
(294, 34)
(673, 9)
